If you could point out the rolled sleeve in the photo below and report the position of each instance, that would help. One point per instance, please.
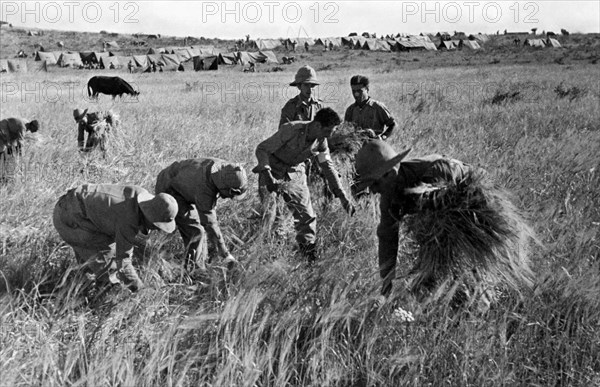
(331, 173)
(269, 146)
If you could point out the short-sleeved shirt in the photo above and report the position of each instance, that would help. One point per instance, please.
(371, 114)
(114, 210)
(297, 109)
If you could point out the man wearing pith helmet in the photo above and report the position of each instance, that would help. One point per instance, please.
(379, 167)
(304, 106)
(100, 223)
(366, 113)
(196, 184)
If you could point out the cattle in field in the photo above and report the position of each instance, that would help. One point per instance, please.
(110, 86)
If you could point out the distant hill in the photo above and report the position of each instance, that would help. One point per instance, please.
(499, 49)
(15, 39)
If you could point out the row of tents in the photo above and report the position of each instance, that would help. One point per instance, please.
(168, 60)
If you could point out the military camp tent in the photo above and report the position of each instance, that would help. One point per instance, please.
(17, 66)
(372, 44)
(46, 56)
(3, 66)
(57, 55)
(107, 61)
(269, 56)
(419, 38)
(227, 59)
(171, 59)
(447, 45)
(183, 54)
(408, 46)
(347, 41)
(471, 44)
(267, 44)
(156, 59)
(243, 57)
(70, 59)
(429, 46)
(88, 57)
(206, 63)
(100, 55)
(553, 43)
(141, 60)
(534, 43)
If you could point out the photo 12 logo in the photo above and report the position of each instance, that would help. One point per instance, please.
(470, 11)
(269, 11)
(56, 12)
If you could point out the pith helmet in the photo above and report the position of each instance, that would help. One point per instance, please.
(375, 159)
(160, 210)
(78, 114)
(305, 74)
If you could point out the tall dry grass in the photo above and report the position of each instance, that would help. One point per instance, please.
(272, 321)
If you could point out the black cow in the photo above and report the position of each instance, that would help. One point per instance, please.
(110, 86)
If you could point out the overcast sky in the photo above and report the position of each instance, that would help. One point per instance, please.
(273, 19)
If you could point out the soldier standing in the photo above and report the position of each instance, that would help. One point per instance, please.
(366, 113)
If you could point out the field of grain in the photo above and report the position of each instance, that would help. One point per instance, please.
(273, 321)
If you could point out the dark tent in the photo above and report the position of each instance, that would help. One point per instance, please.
(227, 59)
(206, 63)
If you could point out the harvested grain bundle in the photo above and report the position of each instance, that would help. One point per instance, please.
(99, 126)
(347, 139)
(469, 227)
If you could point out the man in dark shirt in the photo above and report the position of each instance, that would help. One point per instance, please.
(366, 113)
(281, 168)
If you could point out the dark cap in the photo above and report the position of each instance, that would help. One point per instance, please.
(359, 80)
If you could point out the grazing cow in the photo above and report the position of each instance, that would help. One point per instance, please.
(110, 86)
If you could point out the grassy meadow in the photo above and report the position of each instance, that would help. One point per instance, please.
(272, 321)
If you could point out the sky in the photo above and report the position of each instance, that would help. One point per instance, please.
(281, 19)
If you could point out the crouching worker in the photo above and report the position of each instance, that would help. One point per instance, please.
(97, 125)
(12, 132)
(196, 184)
(467, 230)
(281, 168)
(100, 223)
